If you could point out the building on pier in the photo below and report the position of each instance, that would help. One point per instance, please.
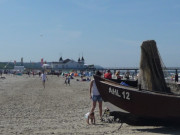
(69, 64)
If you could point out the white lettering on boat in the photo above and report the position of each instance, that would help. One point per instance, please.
(114, 92)
(124, 94)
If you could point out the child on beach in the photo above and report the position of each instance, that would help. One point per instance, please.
(67, 80)
(90, 116)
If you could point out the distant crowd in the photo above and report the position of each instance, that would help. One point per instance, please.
(84, 75)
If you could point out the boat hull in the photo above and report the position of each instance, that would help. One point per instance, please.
(140, 105)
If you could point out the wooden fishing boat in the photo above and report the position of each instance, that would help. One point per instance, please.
(152, 102)
(140, 107)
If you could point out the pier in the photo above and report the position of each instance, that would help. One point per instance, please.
(135, 69)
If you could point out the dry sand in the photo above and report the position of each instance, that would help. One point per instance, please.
(28, 109)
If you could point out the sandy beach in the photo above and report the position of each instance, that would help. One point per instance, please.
(26, 108)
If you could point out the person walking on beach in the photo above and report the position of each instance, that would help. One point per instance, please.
(43, 78)
(176, 77)
(95, 96)
(68, 79)
(39, 74)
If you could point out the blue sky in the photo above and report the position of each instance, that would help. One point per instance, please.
(106, 32)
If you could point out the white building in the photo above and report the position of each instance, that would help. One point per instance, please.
(68, 64)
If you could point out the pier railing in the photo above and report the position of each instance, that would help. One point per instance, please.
(137, 68)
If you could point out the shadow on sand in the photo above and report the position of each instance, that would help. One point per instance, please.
(161, 130)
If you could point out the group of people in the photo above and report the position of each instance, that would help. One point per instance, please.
(108, 75)
(44, 79)
(93, 94)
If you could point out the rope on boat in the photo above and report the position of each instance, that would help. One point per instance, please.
(120, 126)
(109, 119)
